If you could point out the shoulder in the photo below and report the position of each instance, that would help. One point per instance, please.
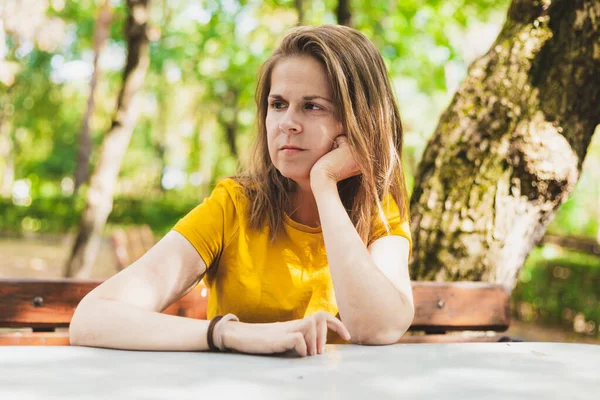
(219, 213)
(390, 210)
(230, 190)
(225, 202)
(230, 185)
(390, 220)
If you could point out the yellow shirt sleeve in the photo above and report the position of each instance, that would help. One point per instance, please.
(210, 225)
(397, 225)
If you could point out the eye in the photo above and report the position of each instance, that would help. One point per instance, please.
(277, 105)
(313, 106)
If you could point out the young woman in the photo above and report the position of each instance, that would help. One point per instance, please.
(315, 229)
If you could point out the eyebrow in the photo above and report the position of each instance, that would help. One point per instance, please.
(306, 98)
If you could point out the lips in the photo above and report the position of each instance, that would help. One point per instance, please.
(289, 147)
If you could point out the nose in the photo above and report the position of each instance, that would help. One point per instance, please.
(290, 123)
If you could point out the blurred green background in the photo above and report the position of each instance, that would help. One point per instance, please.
(200, 84)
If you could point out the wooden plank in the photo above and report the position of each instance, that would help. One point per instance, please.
(41, 303)
(439, 306)
(132, 243)
(457, 306)
(35, 339)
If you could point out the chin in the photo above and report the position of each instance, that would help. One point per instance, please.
(295, 175)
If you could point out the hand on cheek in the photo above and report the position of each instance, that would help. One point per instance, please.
(338, 164)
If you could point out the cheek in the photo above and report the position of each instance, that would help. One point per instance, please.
(271, 127)
(269, 119)
(327, 133)
(324, 147)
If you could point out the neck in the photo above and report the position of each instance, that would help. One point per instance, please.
(303, 207)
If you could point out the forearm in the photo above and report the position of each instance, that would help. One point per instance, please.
(112, 324)
(371, 307)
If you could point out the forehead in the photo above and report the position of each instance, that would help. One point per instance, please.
(300, 76)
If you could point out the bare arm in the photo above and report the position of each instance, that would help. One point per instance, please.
(124, 311)
(372, 286)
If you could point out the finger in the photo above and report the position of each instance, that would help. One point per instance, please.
(321, 335)
(340, 140)
(334, 144)
(337, 326)
(311, 338)
(298, 343)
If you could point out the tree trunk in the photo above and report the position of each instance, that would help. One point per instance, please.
(7, 157)
(101, 32)
(7, 168)
(165, 99)
(509, 149)
(229, 120)
(230, 133)
(206, 151)
(344, 16)
(300, 9)
(116, 141)
(598, 214)
(159, 140)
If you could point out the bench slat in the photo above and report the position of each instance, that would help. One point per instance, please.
(458, 306)
(439, 306)
(35, 339)
(60, 297)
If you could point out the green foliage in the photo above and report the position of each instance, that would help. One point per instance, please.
(204, 59)
(560, 289)
(57, 214)
(46, 214)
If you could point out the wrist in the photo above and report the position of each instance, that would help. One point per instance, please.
(321, 182)
(228, 335)
(221, 327)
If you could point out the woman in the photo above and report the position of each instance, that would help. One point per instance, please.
(315, 229)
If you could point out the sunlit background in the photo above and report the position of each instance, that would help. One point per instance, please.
(197, 118)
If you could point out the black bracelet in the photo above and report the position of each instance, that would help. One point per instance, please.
(209, 334)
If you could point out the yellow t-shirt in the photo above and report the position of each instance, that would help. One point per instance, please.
(258, 281)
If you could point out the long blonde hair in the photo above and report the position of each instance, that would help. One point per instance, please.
(366, 107)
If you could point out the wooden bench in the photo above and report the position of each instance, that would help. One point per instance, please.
(131, 243)
(46, 307)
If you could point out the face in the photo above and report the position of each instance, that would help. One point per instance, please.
(301, 121)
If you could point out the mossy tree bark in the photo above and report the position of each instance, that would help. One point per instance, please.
(508, 150)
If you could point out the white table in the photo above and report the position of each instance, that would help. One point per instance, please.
(407, 371)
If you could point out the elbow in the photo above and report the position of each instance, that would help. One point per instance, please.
(74, 337)
(379, 337)
(382, 335)
(78, 334)
(76, 328)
